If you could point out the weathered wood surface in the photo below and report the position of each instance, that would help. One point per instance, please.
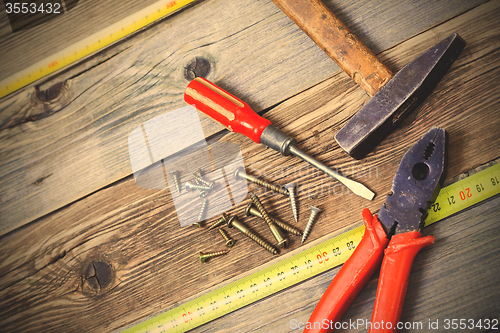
(255, 51)
(46, 39)
(43, 267)
(456, 278)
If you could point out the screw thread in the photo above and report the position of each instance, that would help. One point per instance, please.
(274, 188)
(203, 182)
(219, 222)
(310, 222)
(175, 176)
(202, 212)
(293, 203)
(229, 241)
(224, 234)
(282, 241)
(261, 242)
(262, 210)
(190, 186)
(238, 225)
(205, 256)
(251, 210)
(262, 183)
(288, 228)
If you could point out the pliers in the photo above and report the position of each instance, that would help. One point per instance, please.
(395, 232)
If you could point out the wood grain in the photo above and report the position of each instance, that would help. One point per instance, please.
(155, 266)
(255, 52)
(46, 39)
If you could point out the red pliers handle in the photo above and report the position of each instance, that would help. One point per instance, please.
(357, 270)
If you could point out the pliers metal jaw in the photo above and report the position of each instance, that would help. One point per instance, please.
(395, 239)
(415, 185)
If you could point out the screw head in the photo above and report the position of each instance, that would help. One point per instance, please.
(283, 243)
(249, 207)
(237, 173)
(315, 209)
(230, 222)
(230, 243)
(202, 257)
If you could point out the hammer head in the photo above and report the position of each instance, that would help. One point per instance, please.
(398, 98)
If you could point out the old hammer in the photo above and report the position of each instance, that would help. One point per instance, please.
(394, 96)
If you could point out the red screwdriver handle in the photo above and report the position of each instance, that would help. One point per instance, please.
(351, 278)
(393, 281)
(225, 108)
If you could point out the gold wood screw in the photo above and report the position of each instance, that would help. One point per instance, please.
(229, 241)
(175, 176)
(205, 256)
(233, 222)
(282, 241)
(275, 188)
(220, 221)
(252, 211)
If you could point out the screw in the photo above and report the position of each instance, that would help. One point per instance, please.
(233, 222)
(202, 212)
(282, 241)
(175, 175)
(205, 256)
(190, 186)
(275, 188)
(291, 192)
(307, 230)
(201, 181)
(252, 211)
(229, 241)
(220, 221)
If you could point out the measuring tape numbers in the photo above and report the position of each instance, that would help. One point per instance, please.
(309, 263)
(90, 44)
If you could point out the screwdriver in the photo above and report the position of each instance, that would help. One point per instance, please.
(237, 116)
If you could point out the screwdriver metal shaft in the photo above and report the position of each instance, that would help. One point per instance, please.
(355, 187)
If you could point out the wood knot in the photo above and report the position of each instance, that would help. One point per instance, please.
(98, 275)
(198, 67)
(52, 94)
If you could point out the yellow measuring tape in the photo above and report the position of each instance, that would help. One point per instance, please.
(310, 262)
(91, 44)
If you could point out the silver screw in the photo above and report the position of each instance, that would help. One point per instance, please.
(275, 188)
(200, 181)
(291, 192)
(202, 213)
(310, 222)
(175, 176)
(190, 186)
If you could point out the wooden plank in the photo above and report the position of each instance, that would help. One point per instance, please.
(154, 262)
(92, 113)
(456, 278)
(48, 38)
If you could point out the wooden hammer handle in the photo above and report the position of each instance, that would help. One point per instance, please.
(333, 37)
